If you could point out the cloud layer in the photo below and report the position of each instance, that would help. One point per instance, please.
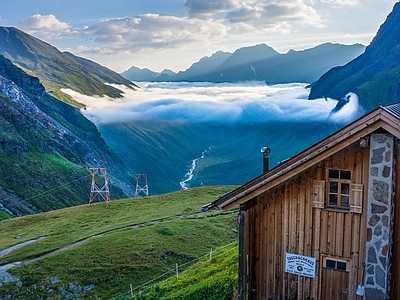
(207, 102)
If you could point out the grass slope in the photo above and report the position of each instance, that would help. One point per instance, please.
(214, 279)
(107, 264)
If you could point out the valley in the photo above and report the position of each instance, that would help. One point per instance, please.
(164, 129)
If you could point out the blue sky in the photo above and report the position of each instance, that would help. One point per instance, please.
(173, 34)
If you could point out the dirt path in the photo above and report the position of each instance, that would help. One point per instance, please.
(15, 247)
(70, 246)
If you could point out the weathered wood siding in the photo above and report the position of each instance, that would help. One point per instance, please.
(284, 220)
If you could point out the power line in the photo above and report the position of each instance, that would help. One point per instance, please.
(56, 188)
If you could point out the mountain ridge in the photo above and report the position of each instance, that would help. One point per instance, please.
(261, 63)
(374, 76)
(55, 69)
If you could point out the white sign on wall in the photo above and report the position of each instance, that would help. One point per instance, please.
(300, 265)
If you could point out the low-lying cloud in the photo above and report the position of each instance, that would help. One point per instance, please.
(208, 102)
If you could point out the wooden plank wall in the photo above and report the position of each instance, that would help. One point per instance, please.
(283, 220)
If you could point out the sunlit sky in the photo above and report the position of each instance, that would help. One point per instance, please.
(173, 34)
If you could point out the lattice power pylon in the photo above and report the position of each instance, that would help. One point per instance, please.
(142, 186)
(95, 190)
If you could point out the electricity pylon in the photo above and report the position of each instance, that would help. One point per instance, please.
(141, 185)
(95, 190)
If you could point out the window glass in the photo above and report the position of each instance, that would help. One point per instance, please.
(346, 175)
(333, 187)
(333, 199)
(330, 264)
(334, 174)
(344, 201)
(345, 189)
(341, 266)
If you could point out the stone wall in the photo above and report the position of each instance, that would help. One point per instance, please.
(379, 217)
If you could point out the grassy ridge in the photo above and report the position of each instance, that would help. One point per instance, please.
(109, 263)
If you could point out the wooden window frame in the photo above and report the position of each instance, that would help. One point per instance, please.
(320, 196)
(325, 258)
(339, 194)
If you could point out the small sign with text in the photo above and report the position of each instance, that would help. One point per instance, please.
(300, 265)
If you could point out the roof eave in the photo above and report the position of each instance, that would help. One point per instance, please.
(379, 118)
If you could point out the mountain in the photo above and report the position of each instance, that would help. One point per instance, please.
(374, 76)
(55, 69)
(137, 74)
(265, 64)
(239, 65)
(200, 68)
(98, 71)
(259, 62)
(46, 146)
(307, 65)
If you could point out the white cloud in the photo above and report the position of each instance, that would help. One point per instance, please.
(341, 2)
(209, 23)
(39, 22)
(273, 14)
(153, 31)
(208, 102)
(48, 26)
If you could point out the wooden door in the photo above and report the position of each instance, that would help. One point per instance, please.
(335, 279)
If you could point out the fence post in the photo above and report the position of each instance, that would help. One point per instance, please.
(177, 271)
(131, 291)
(210, 253)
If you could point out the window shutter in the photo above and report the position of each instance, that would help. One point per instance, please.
(318, 193)
(356, 198)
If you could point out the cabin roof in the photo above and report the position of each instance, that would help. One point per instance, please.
(384, 117)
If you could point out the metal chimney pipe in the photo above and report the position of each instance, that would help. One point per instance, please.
(265, 152)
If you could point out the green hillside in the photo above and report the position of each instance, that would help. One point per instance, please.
(46, 147)
(214, 278)
(119, 244)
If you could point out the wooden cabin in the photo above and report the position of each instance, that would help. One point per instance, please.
(325, 224)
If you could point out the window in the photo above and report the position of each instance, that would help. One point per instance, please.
(338, 264)
(339, 189)
(338, 192)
